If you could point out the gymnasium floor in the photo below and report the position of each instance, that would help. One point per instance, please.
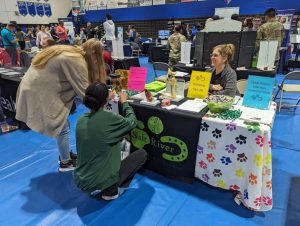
(33, 192)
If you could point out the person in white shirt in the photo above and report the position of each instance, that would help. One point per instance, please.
(41, 36)
(109, 28)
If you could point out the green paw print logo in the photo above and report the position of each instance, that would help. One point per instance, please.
(140, 138)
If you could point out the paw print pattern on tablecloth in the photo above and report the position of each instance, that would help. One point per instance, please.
(268, 160)
(199, 149)
(231, 126)
(269, 184)
(108, 107)
(241, 139)
(217, 133)
(210, 158)
(242, 157)
(204, 126)
(202, 164)
(217, 173)
(205, 177)
(221, 184)
(234, 187)
(246, 194)
(240, 173)
(211, 145)
(258, 160)
(253, 127)
(230, 148)
(259, 140)
(252, 179)
(267, 201)
(257, 201)
(225, 160)
(266, 171)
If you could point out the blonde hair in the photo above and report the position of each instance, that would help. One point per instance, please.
(226, 50)
(40, 60)
(96, 69)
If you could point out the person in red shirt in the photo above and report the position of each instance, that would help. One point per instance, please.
(62, 33)
(107, 58)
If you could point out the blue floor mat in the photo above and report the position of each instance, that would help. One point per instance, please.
(33, 192)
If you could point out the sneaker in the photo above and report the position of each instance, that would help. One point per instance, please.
(69, 165)
(113, 196)
(73, 156)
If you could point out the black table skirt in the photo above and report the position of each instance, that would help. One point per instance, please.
(126, 63)
(170, 139)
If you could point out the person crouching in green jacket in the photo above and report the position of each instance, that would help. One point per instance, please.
(98, 136)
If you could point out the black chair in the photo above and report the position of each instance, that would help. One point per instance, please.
(160, 66)
(295, 63)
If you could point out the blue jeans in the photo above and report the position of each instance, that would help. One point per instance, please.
(109, 45)
(63, 143)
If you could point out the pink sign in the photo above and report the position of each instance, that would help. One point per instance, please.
(137, 78)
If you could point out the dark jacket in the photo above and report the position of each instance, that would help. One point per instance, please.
(227, 80)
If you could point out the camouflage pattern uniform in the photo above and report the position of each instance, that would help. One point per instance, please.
(272, 30)
(174, 43)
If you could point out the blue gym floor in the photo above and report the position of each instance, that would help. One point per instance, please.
(33, 192)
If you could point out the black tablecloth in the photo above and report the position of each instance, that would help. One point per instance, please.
(9, 85)
(169, 137)
(146, 47)
(159, 54)
(244, 74)
(126, 63)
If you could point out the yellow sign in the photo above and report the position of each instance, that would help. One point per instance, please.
(199, 84)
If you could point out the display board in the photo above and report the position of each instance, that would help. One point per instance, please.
(227, 11)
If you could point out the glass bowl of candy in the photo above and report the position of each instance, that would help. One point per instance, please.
(219, 103)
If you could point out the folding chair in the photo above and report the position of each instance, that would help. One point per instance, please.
(158, 67)
(136, 49)
(285, 87)
(241, 86)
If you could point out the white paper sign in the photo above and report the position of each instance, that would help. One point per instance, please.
(223, 25)
(186, 52)
(267, 54)
(117, 46)
(295, 38)
(227, 11)
(145, 2)
(159, 2)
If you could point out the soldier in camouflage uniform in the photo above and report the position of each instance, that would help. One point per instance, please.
(272, 30)
(174, 43)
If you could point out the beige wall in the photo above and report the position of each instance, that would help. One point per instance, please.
(60, 9)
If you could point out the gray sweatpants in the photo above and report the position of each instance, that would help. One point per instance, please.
(12, 52)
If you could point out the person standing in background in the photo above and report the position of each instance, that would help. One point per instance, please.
(62, 33)
(20, 35)
(109, 28)
(174, 43)
(10, 42)
(271, 30)
(256, 23)
(41, 36)
(53, 32)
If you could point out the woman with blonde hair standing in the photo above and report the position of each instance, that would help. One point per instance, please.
(48, 89)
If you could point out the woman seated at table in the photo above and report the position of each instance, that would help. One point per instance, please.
(223, 80)
(98, 136)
